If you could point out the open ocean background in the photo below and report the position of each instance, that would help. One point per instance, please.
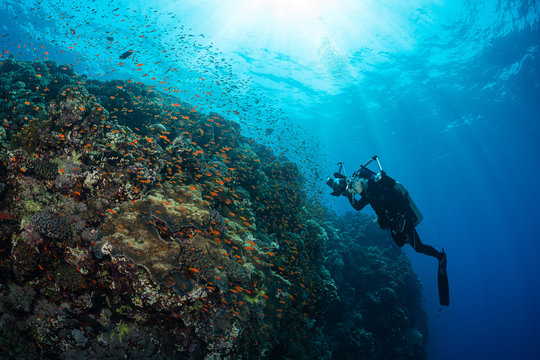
(446, 93)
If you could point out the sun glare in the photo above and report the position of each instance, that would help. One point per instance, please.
(317, 34)
(292, 26)
(294, 10)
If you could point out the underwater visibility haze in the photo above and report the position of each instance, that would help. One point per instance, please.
(164, 165)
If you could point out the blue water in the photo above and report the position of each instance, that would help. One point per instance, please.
(447, 94)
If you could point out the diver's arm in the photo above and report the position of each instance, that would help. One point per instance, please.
(356, 204)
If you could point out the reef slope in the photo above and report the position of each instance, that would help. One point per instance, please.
(133, 225)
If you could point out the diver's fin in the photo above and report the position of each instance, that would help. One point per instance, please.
(442, 277)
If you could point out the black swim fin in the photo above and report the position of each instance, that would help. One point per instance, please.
(442, 277)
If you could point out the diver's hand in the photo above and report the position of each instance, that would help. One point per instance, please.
(349, 192)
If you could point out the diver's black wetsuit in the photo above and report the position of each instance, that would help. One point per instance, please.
(390, 204)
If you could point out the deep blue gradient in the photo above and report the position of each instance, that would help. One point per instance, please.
(446, 94)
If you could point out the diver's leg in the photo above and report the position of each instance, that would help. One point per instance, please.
(442, 277)
(422, 248)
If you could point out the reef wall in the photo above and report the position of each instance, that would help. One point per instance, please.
(380, 315)
(133, 225)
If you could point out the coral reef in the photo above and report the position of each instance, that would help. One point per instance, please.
(380, 315)
(132, 225)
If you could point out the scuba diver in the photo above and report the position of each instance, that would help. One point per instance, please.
(394, 208)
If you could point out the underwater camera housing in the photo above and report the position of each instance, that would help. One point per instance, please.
(341, 181)
(338, 184)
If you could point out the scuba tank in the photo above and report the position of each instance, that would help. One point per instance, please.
(363, 171)
(412, 206)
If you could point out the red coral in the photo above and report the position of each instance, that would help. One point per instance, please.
(6, 216)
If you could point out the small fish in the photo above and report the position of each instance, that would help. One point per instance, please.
(126, 54)
(110, 38)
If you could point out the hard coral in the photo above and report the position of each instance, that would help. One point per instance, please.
(44, 169)
(52, 226)
(70, 106)
(21, 297)
(25, 260)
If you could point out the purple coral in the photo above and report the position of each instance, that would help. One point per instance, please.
(32, 236)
